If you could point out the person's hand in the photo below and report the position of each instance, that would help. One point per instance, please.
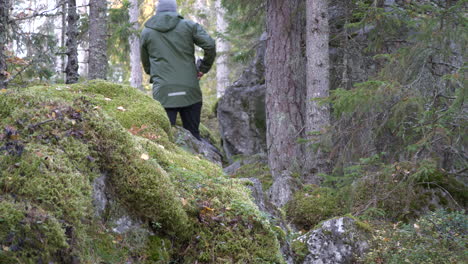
(200, 75)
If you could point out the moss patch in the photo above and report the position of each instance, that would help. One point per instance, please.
(312, 205)
(56, 140)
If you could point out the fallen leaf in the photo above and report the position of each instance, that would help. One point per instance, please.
(144, 157)
(121, 108)
(97, 107)
(3, 90)
(184, 201)
(107, 99)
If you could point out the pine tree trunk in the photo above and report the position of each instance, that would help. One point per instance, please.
(286, 90)
(318, 86)
(62, 39)
(71, 70)
(222, 67)
(97, 39)
(136, 75)
(4, 17)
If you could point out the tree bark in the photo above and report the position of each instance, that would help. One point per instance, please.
(71, 70)
(318, 83)
(136, 75)
(97, 39)
(222, 67)
(4, 17)
(286, 90)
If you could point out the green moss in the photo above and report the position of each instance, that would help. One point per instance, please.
(300, 250)
(62, 138)
(312, 205)
(159, 249)
(28, 234)
(257, 170)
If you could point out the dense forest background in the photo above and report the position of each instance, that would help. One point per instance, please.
(336, 114)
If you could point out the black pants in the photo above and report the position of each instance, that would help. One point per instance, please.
(190, 116)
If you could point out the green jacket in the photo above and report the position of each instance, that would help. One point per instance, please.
(168, 55)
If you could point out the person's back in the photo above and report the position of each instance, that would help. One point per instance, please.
(168, 55)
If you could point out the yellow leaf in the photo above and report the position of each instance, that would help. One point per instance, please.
(3, 90)
(144, 157)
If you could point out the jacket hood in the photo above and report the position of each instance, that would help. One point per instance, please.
(164, 21)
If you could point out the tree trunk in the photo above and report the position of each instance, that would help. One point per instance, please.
(222, 67)
(318, 86)
(4, 17)
(136, 75)
(71, 70)
(286, 91)
(97, 39)
(62, 40)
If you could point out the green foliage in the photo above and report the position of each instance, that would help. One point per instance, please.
(312, 205)
(118, 46)
(413, 107)
(438, 237)
(401, 191)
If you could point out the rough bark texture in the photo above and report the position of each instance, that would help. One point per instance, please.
(285, 81)
(318, 84)
(136, 75)
(222, 68)
(4, 14)
(71, 70)
(97, 39)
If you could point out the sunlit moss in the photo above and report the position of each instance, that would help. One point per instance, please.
(63, 137)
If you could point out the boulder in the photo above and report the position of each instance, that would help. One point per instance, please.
(336, 241)
(241, 111)
(185, 140)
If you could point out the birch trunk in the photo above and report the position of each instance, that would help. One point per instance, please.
(71, 70)
(222, 67)
(136, 75)
(4, 17)
(318, 83)
(97, 39)
(286, 90)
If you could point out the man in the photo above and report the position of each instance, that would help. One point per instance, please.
(168, 55)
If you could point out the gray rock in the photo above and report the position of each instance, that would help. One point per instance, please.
(256, 189)
(241, 111)
(260, 158)
(282, 189)
(187, 141)
(100, 199)
(112, 213)
(337, 241)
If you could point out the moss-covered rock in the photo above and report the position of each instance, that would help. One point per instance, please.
(56, 141)
(311, 205)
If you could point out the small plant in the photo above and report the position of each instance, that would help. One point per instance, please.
(438, 237)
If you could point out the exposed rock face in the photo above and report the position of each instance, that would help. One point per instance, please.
(282, 189)
(241, 111)
(187, 141)
(337, 241)
(111, 212)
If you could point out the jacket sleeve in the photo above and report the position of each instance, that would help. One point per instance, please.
(144, 55)
(204, 41)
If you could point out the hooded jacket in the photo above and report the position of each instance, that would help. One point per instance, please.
(168, 55)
